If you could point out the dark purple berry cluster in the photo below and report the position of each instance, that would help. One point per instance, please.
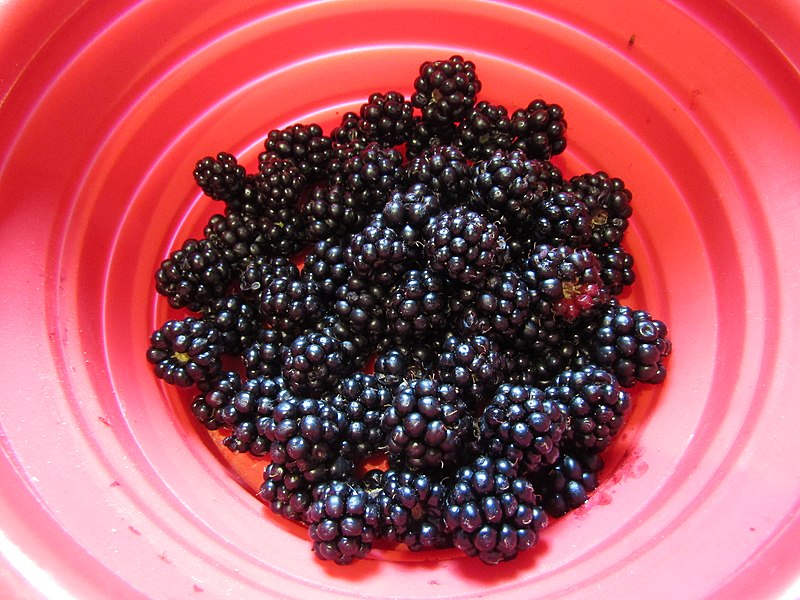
(421, 288)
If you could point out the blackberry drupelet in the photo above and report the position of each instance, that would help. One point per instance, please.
(443, 170)
(464, 245)
(631, 345)
(474, 365)
(426, 425)
(279, 183)
(616, 269)
(288, 304)
(325, 264)
(568, 282)
(499, 307)
(539, 129)
(386, 118)
(208, 407)
(258, 272)
(485, 129)
(595, 404)
(491, 513)
(264, 356)
(562, 219)
(185, 352)
(609, 205)
(303, 144)
(343, 522)
(566, 485)
(523, 426)
(416, 306)
(220, 177)
(446, 89)
(362, 399)
(193, 275)
(411, 507)
(313, 363)
(235, 320)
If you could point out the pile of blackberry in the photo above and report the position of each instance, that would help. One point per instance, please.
(421, 288)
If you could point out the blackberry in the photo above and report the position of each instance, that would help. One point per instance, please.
(347, 134)
(370, 175)
(258, 272)
(279, 183)
(609, 204)
(386, 118)
(235, 320)
(521, 425)
(397, 364)
(485, 129)
(286, 491)
(185, 352)
(631, 345)
(235, 236)
(359, 303)
(566, 485)
(464, 245)
(539, 129)
(616, 269)
(325, 264)
(330, 210)
(220, 177)
(249, 411)
(491, 513)
(312, 363)
(425, 135)
(194, 275)
(442, 169)
(289, 303)
(377, 251)
(411, 506)
(209, 406)
(568, 281)
(343, 522)
(285, 234)
(355, 346)
(446, 89)
(414, 207)
(545, 348)
(562, 219)
(264, 356)
(473, 365)
(416, 306)
(426, 425)
(303, 144)
(362, 399)
(499, 307)
(595, 405)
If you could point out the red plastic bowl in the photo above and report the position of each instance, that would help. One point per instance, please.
(109, 489)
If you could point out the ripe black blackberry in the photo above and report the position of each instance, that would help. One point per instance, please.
(426, 425)
(446, 89)
(362, 399)
(411, 210)
(313, 363)
(562, 219)
(370, 175)
(566, 485)
(523, 426)
(472, 364)
(491, 513)
(568, 282)
(235, 320)
(343, 522)
(258, 272)
(398, 363)
(193, 275)
(279, 183)
(285, 234)
(442, 169)
(326, 265)
(609, 204)
(595, 404)
(485, 129)
(216, 394)
(236, 236)
(356, 347)
(543, 349)
(425, 135)
(411, 507)
(417, 305)
(631, 344)
(616, 268)
(346, 134)
(185, 352)
(264, 356)
(286, 491)
(464, 245)
(498, 307)
(305, 144)
(386, 118)
(331, 211)
(539, 129)
(249, 411)
(221, 177)
(289, 303)
(359, 303)
(377, 251)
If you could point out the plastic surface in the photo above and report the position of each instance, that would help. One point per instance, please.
(109, 489)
